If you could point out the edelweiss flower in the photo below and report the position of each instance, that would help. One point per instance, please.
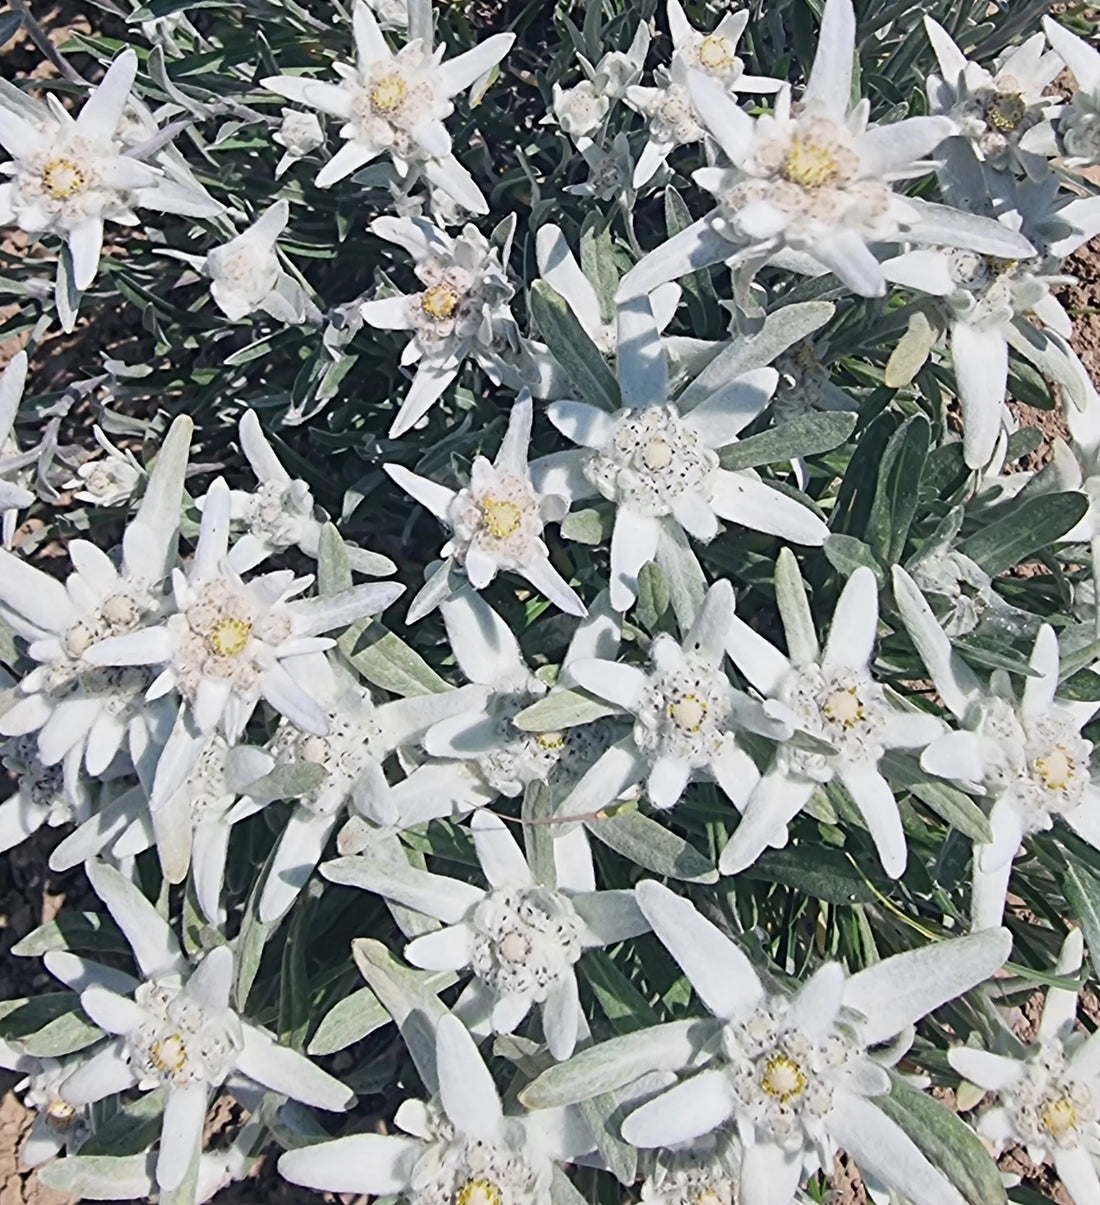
(245, 274)
(57, 1125)
(229, 643)
(661, 464)
(458, 1149)
(70, 175)
(300, 133)
(1028, 756)
(805, 383)
(391, 14)
(13, 496)
(56, 794)
(397, 103)
(956, 581)
(686, 716)
(190, 829)
(1079, 127)
(831, 697)
(280, 513)
(71, 702)
(669, 109)
(496, 521)
(992, 302)
(521, 938)
(580, 110)
(179, 1033)
(462, 311)
(1048, 1099)
(361, 735)
(609, 172)
(109, 480)
(1004, 114)
(794, 1074)
(694, 1177)
(816, 182)
(505, 758)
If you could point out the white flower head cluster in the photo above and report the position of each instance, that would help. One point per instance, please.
(396, 104)
(742, 717)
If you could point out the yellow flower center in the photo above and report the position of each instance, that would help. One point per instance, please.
(479, 1191)
(440, 302)
(62, 178)
(844, 707)
(809, 164)
(502, 518)
(60, 1113)
(708, 1197)
(715, 54)
(514, 947)
(1056, 769)
(657, 454)
(783, 1079)
(169, 1054)
(1007, 111)
(388, 95)
(229, 637)
(551, 740)
(1060, 1117)
(688, 713)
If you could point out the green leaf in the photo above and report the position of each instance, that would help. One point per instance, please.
(623, 1005)
(562, 1191)
(562, 709)
(586, 526)
(294, 1004)
(911, 351)
(782, 328)
(687, 584)
(1082, 890)
(133, 1129)
(945, 1140)
(50, 1022)
(63, 1035)
(993, 653)
(349, 1021)
(572, 348)
(101, 1177)
(821, 873)
(653, 596)
(289, 781)
(653, 847)
(381, 657)
(90, 931)
(387, 661)
(598, 261)
(604, 1116)
(948, 802)
(1033, 525)
(807, 435)
(409, 997)
(846, 554)
(1082, 687)
(898, 489)
(538, 833)
(621, 1060)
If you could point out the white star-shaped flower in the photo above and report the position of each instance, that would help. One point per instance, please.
(496, 522)
(396, 104)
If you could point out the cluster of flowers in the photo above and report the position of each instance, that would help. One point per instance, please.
(162, 697)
